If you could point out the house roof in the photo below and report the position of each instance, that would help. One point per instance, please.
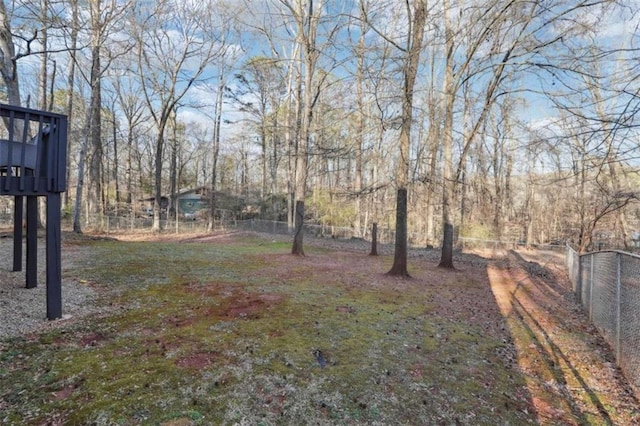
(200, 190)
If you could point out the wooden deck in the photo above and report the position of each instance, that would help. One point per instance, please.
(33, 152)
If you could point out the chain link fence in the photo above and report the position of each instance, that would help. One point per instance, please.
(119, 224)
(607, 284)
(282, 228)
(384, 235)
(483, 243)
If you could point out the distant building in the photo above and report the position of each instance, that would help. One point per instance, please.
(147, 207)
(192, 201)
(194, 204)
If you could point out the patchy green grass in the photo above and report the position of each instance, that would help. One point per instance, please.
(240, 332)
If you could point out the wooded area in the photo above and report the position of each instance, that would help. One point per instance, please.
(497, 119)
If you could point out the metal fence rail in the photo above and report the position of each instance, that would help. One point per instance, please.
(608, 286)
(117, 224)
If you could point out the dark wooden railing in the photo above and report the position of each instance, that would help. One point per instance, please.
(33, 152)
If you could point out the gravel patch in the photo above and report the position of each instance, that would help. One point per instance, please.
(24, 310)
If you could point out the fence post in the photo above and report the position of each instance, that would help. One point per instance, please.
(580, 268)
(579, 278)
(618, 304)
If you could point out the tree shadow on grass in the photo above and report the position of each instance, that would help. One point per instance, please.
(562, 354)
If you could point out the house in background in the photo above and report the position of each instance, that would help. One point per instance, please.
(146, 208)
(189, 202)
(192, 203)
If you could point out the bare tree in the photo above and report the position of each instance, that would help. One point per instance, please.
(360, 118)
(490, 47)
(216, 137)
(71, 78)
(260, 94)
(105, 19)
(176, 43)
(410, 47)
(308, 19)
(130, 103)
(306, 16)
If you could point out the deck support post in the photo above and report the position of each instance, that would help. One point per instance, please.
(54, 263)
(18, 214)
(32, 241)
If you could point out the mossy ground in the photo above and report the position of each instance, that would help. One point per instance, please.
(237, 331)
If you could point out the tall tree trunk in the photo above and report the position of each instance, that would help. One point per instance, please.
(71, 88)
(215, 150)
(157, 175)
(302, 159)
(129, 167)
(360, 124)
(263, 160)
(410, 70)
(294, 93)
(448, 188)
(116, 161)
(434, 135)
(275, 159)
(433, 140)
(44, 58)
(307, 31)
(52, 85)
(173, 167)
(94, 193)
(92, 133)
(82, 157)
(95, 165)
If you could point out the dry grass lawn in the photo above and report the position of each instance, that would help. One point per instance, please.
(231, 329)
